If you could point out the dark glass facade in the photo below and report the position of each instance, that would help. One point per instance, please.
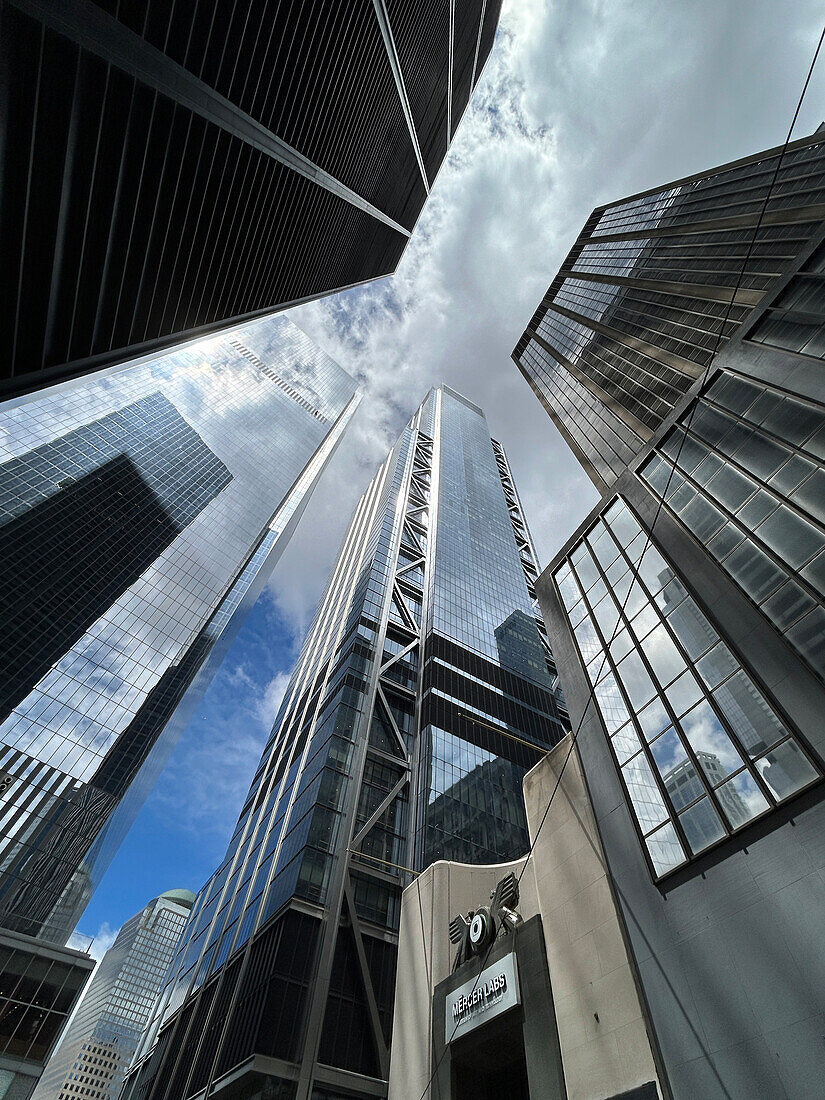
(687, 616)
(184, 167)
(141, 510)
(424, 690)
(644, 297)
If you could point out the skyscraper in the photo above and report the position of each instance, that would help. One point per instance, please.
(140, 514)
(141, 509)
(177, 168)
(631, 320)
(424, 690)
(686, 613)
(98, 1045)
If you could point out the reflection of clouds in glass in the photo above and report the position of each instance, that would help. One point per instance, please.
(611, 704)
(665, 849)
(706, 734)
(644, 793)
(264, 437)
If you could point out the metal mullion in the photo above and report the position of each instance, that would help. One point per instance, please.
(366, 980)
(115, 205)
(138, 197)
(213, 237)
(607, 660)
(762, 486)
(90, 196)
(221, 286)
(149, 238)
(265, 63)
(61, 227)
(284, 68)
(263, 286)
(251, 290)
(232, 286)
(383, 806)
(194, 229)
(25, 226)
(180, 155)
(295, 83)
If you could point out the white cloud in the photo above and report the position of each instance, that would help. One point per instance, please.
(582, 101)
(270, 701)
(103, 940)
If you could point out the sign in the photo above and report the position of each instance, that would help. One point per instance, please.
(478, 1001)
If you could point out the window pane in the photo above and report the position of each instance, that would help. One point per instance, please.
(626, 743)
(708, 738)
(587, 639)
(621, 645)
(653, 719)
(754, 571)
(567, 587)
(611, 704)
(787, 605)
(794, 540)
(645, 621)
(727, 540)
(785, 769)
(752, 720)
(587, 572)
(664, 657)
(683, 693)
(607, 616)
(701, 825)
(622, 523)
(716, 665)
(647, 800)
(741, 799)
(665, 849)
(636, 680)
(692, 628)
(654, 570)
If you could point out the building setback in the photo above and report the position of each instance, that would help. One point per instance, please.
(424, 690)
(98, 1045)
(689, 605)
(633, 316)
(182, 168)
(141, 512)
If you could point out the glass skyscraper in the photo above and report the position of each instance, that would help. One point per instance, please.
(631, 319)
(424, 691)
(141, 512)
(687, 613)
(98, 1045)
(178, 168)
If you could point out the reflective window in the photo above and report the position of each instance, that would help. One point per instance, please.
(701, 755)
(756, 503)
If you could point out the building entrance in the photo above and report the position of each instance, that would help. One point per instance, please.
(491, 1064)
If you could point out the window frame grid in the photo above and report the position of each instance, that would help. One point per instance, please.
(609, 666)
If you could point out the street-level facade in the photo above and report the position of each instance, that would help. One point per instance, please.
(424, 691)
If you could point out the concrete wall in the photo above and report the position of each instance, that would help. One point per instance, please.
(590, 972)
(730, 951)
(602, 1031)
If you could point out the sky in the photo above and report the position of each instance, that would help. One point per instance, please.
(582, 102)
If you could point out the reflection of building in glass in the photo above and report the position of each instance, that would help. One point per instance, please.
(702, 640)
(424, 690)
(631, 319)
(198, 165)
(139, 511)
(98, 1045)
